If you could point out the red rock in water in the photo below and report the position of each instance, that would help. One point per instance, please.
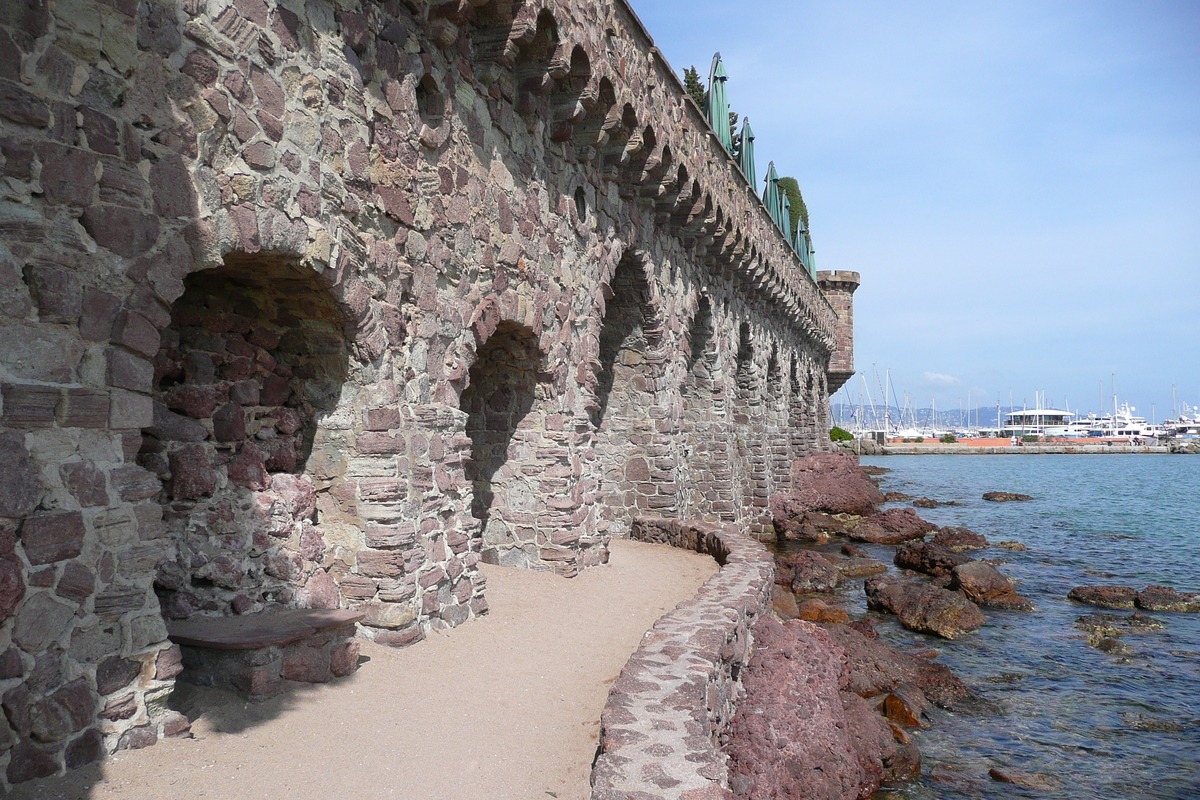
(984, 584)
(1028, 780)
(806, 571)
(924, 608)
(1005, 497)
(814, 610)
(893, 526)
(1163, 598)
(875, 668)
(1104, 596)
(929, 558)
(959, 539)
(905, 705)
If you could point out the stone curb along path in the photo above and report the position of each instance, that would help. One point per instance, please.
(678, 691)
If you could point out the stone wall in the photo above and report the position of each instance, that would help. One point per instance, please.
(665, 712)
(319, 303)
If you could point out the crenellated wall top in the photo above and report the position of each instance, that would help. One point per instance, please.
(609, 97)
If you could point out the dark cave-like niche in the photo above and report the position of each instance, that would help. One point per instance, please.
(503, 468)
(255, 357)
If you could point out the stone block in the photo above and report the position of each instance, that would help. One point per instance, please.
(29, 762)
(47, 353)
(57, 293)
(63, 712)
(306, 664)
(192, 475)
(41, 621)
(12, 585)
(85, 483)
(97, 314)
(85, 749)
(137, 738)
(130, 410)
(116, 601)
(53, 536)
(388, 615)
(68, 174)
(77, 583)
(125, 231)
(380, 564)
(133, 483)
(137, 333)
(129, 371)
(20, 482)
(84, 408)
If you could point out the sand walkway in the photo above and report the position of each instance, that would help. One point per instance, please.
(504, 707)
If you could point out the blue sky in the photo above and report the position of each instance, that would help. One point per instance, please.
(1018, 182)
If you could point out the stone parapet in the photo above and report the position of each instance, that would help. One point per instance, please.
(665, 712)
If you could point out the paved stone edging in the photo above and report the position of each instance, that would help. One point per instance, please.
(677, 692)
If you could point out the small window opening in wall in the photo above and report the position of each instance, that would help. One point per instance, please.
(431, 103)
(580, 203)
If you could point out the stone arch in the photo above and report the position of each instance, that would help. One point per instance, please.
(599, 102)
(702, 355)
(627, 382)
(532, 65)
(567, 108)
(504, 401)
(744, 362)
(620, 125)
(253, 362)
(704, 468)
(492, 37)
(629, 334)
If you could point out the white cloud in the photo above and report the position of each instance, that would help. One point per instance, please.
(937, 379)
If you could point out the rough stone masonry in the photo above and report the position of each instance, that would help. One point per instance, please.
(318, 304)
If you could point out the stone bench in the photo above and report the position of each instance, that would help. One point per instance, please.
(255, 654)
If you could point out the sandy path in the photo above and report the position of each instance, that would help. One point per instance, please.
(504, 707)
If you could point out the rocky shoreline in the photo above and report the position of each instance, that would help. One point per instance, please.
(828, 704)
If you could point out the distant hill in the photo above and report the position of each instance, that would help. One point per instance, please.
(846, 415)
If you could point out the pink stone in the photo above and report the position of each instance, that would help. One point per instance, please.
(248, 469)
(53, 536)
(192, 476)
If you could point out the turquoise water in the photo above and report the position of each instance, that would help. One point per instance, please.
(1097, 725)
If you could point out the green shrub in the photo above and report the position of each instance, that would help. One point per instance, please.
(1029, 437)
(919, 439)
(949, 438)
(840, 434)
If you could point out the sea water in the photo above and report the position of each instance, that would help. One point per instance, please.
(1096, 724)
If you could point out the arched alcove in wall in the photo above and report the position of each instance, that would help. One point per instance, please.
(505, 385)
(626, 384)
(254, 359)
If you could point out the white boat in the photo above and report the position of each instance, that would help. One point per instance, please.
(1050, 422)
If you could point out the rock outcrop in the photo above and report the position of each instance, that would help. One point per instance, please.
(893, 526)
(832, 483)
(924, 608)
(806, 571)
(959, 539)
(804, 735)
(929, 558)
(1104, 596)
(876, 668)
(1005, 497)
(982, 583)
(1164, 598)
